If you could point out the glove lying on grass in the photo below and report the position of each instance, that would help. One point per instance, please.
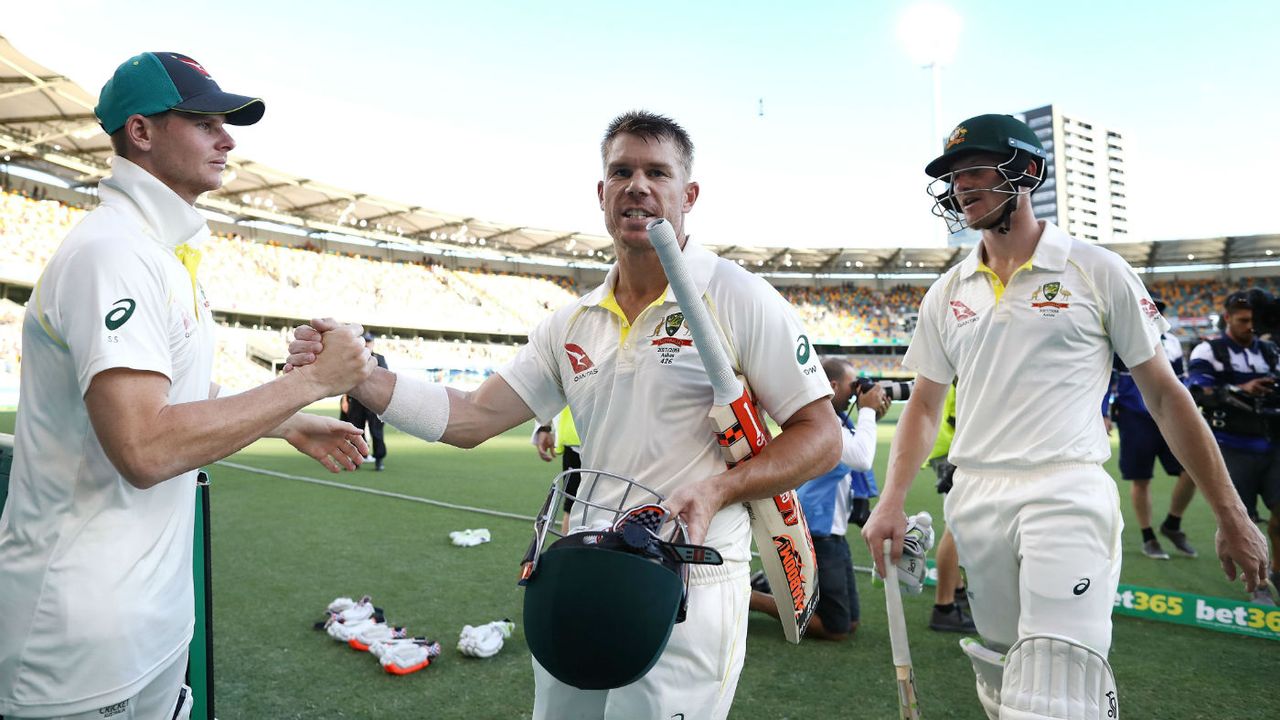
(363, 638)
(469, 538)
(486, 640)
(405, 655)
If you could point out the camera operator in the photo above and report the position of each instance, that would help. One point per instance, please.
(1232, 378)
(827, 501)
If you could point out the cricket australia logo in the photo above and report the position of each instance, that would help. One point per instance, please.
(579, 361)
(964, 314)
(667, 337)
(1050, 299)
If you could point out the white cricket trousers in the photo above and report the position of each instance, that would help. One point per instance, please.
(157, 700)
(1041, 550)
(695, 678)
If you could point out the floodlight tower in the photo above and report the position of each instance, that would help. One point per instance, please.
(930, 32)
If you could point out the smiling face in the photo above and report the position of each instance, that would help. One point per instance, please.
(644, 178)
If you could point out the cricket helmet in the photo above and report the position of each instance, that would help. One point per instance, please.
(1001, 135)
(600, 602)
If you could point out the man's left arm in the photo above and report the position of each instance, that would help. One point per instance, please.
(1239, 542)
(808, 446)
(315, 436)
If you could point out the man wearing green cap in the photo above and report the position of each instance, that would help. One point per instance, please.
(118, 412)
(1028, 324)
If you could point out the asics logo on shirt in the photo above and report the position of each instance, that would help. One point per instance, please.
(122, 310)
(1081, 587)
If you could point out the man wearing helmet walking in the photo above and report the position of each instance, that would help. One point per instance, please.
(1028, 323)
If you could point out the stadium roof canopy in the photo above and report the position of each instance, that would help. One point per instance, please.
(47, 123)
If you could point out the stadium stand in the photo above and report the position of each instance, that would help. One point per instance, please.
(455, 295)
(247, 279)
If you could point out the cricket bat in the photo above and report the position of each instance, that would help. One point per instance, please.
(777, 524)
(908, 706)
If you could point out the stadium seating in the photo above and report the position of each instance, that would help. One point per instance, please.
(247, 279)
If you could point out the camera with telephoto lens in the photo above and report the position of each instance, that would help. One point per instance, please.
(893, 389)
(1266, 310)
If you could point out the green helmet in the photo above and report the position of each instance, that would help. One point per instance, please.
(1001, 135)
(600, 603)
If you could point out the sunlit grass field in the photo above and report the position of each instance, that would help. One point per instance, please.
(282, 548)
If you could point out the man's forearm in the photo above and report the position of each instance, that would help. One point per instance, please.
(375, 392)
(807, 448)
(190, 435)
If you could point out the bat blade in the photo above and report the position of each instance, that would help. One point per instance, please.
(904, 672)
(777, 524)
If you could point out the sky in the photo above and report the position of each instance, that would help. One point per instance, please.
(495, 110)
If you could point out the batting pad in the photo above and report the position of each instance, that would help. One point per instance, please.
(1051, 677)
(988, 666)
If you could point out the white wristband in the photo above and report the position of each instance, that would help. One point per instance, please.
(418, 407)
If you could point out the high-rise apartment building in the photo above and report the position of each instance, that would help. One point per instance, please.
(1084, 188)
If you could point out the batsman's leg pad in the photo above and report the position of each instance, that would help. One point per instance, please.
(1052, 677)
(988, 667)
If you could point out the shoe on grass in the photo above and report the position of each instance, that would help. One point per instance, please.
(1263, 596)
(1179, 540)
(760, 583)
(957, 620)
(1152, 549)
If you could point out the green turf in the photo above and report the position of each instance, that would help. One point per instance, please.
(284, 548)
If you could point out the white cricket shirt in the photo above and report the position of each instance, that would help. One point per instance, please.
(639, 393)
(1034, 358)
(96, 588)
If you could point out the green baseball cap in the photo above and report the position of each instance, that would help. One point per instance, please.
(999, 134)
(155, 82)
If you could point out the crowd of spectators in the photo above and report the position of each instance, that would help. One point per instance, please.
(267, 279)
(857, 315)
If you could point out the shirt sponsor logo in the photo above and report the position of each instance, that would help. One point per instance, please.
(1054, 299)
(962, 311)
(963, 314)
(578, 358)
(580, 362)
(120, 313)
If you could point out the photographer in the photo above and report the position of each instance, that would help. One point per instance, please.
(827, 501)
(1232, 378)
